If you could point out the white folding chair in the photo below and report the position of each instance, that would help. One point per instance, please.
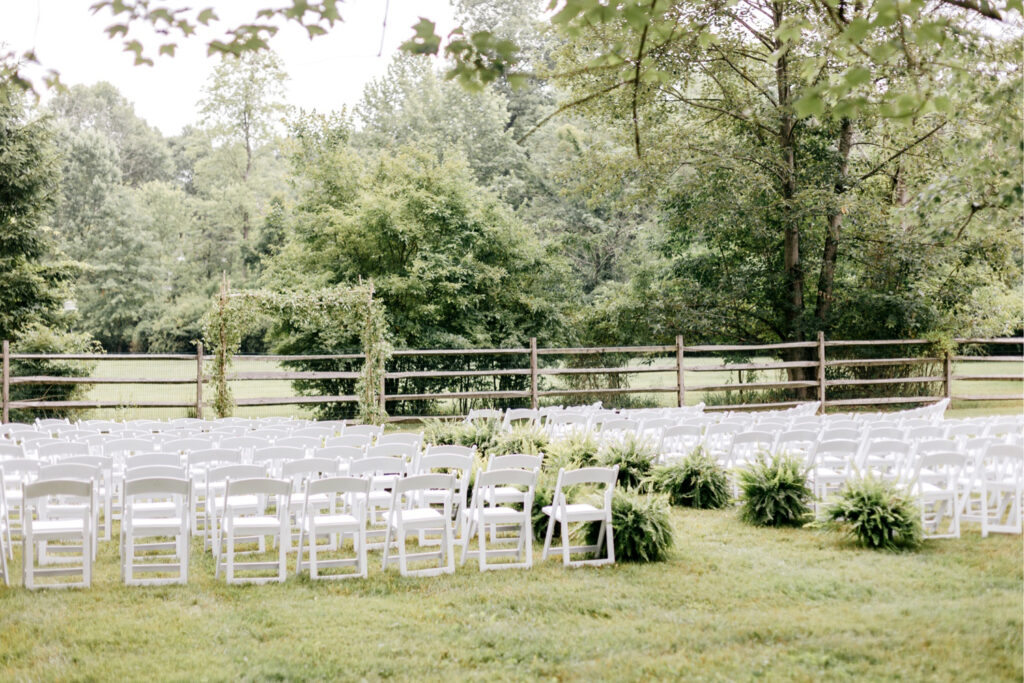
(937, 487)
(215, 496)
(679, 440)
(317, 520)
(563, 513)
(77, 472)
(409, 515)
(240, 520)
(142, 497)
(997, 490)
(385, 472)
(482, 515)
(106, 487)
(43, 524)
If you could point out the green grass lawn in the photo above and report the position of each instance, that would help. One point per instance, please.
(733, 603)
(129, 395)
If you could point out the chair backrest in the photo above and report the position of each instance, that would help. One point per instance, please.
(425, 482)
(450, 450)
(395, 449)
(302, 442)
(315, 432)
(244, 443)
(492, 479)
(484, 414)
(936, 446)
(620, 425)
(11, 450)
(211, 457)
(104, 462)
(378, 466)
(364, 430)
(76, 471)
(225, 472)
(949, 466)
(151, 471)
(350, 440)
(926, 432)
(887, 447)
(151, 459)
(518, 415)
(602, 476)
(259, 486)
(885, 433)
(517, 461)
(154, 486)
(841, 434)
(125, 447)
(401, 438)
(338, 485)
(277, 454)
(187, 445)
(19, 468)
(837, 448)
(315, 466)
(339, 453)
(446, 461)
(70, 488)
(54, 451)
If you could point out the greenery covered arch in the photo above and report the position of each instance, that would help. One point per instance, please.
(335, 313)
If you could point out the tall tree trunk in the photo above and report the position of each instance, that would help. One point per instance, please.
(826, 278)
(794, 304)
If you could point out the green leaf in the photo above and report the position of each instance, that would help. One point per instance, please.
(207, 15)
(811, 104)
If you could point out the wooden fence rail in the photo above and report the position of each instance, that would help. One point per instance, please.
(816, 359)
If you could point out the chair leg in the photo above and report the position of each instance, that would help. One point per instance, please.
(283, 543)
(314, 572)
(449, 546)
(547, 538)
(403, 566)
(609, 539)
(565, 543)
(528, 540)
(482, 535)
(229, 568)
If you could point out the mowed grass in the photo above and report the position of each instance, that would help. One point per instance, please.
(128, 396)
(733, 603)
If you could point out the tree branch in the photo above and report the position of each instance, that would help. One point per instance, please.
(900, 152)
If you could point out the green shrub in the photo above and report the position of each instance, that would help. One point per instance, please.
(480, 433)
(774, 492)
(698, 482)
(40, 339)
(634, 456)
(543, 494)
(444, 432)
(875, 514)
(524, 439)
(642, 526)
(578, 449)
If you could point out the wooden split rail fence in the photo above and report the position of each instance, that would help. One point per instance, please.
(672, 359)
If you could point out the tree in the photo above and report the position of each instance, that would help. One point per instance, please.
(32, 285)
(143, 155)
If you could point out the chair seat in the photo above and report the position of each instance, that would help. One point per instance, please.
(576, 512)
(153, 507)
(156, 523)
(58, 526)
(256, 523)
(503, 494)
(324, 522)
(236, 501)
(421, 517)
(495, 514)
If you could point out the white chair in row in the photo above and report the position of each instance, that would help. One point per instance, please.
(564, 514)
(57, 511)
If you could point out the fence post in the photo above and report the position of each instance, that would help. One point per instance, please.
(534, 403)
(680, 384)
(947, 364)
(6, 398)
(199, 380)
(821, 371)
(383, 392)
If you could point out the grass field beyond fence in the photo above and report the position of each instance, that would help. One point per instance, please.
(733, 603)
(131, 394)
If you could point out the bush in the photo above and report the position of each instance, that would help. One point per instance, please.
(774, 492)
(40, 339)
(578, 449)
(642, 526)
(543, 494)
(875, 514)
(457, 433)
(525, 439)
(698, 482)
(634, 456)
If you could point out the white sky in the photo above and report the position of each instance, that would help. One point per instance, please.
(326, 73)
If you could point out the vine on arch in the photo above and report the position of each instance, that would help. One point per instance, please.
(334, 313)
